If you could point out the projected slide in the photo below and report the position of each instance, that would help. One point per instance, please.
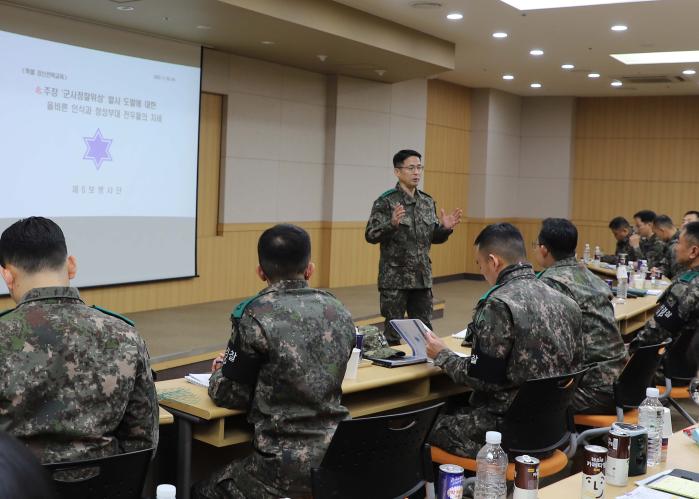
(106, 145)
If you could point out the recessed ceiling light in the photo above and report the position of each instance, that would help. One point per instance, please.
(267, 42)
(593, 75)
(557, 4)
(455, 16)
(689, 72)
(567, 66)
(508, 77)
(125, 8)
(535, 85)
(203, 26)
(619, 27)
(675, 57)
(536, 52)
(616, 83)
(426, 5)
(499, 34)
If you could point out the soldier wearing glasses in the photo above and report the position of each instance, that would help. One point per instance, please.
(404, 221)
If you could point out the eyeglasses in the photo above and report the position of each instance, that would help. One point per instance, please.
(412, 168)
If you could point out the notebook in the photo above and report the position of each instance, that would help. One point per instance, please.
(199, 379)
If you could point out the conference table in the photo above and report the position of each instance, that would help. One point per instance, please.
(375, 390)
(683, 453)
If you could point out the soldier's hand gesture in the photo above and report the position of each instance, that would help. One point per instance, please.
(452, 219)
(635, 240)
(397, 215)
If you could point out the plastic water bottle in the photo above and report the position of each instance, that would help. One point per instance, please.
(491, 467)
(586, 253)
(622, 285)
(644, 269)
(598, 255)
(165, 491)
(650, 416)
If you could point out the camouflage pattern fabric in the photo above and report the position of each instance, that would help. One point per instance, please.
(285, 363)
(602, 342)
(75, 382)
(671, 268)
(677, 312)
(652, 250)
(622, 248)
(375, 344)
(522, 329)
(405, 261)
(395, 303)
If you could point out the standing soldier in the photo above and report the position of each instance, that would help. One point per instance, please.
(75, 381)
(603, 345)
(651, 248)
(522, 329)
(404, 221)
(284, 365)
(670, 235)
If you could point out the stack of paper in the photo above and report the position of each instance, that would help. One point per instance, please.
(199, 379)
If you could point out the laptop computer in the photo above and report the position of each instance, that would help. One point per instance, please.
(412, 331)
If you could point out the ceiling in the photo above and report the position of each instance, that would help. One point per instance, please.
(576, 35)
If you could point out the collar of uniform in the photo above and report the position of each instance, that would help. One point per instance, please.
(407, 198)
(514, 271)
(50, 293)
(565, 262)
(286, 284)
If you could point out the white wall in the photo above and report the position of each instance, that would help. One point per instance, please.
(302, 146)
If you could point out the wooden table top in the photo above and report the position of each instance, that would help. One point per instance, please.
(682, 453)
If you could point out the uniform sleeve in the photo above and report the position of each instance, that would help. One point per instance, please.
(676, 309)
(379, 228)
(233, 386)
(138, 428)
(486, 369)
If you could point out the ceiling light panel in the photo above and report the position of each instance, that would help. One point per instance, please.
(679, 56)
(559, 4)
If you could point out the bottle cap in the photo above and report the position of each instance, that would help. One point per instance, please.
(493, 437)
(165, 491)
(652, 392)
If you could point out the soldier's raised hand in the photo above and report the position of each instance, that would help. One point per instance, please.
(218, 362)
(452, 219)
(397, 215)
(635, 240)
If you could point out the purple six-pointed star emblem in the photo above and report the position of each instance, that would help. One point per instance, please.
(97, 148)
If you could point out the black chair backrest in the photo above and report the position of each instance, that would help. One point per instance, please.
(677, 364)
(638, 374)
(539, 419)
(380, 457)
(120, 476)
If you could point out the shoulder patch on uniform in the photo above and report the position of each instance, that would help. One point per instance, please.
(689, 276)
(114, 314)
(388, 192)
(237, 312)
(488, 293)
(5, 312)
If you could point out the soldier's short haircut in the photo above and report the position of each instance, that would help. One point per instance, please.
(402, 155)
(284, 251)
(33, 244)
(618, 223)
(559, 236)
(504, 240)
(646, 216)
(692, 212)
(663, 221)
(692, 232)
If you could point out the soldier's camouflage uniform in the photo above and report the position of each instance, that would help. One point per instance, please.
(284, 364)
(522, 329)
(405, 268)
(622, 247)
(75, 381)
(671, 268)
(677, 312)
(602, 342)
(652, 250)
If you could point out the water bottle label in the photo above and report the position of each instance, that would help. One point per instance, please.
(524, 493)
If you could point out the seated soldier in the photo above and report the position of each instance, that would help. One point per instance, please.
(645, 243)
(622, 230)
(284, 365)
(522, 329)
(602, 342)
(670, 235)
(678, 307)
(75, 381)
